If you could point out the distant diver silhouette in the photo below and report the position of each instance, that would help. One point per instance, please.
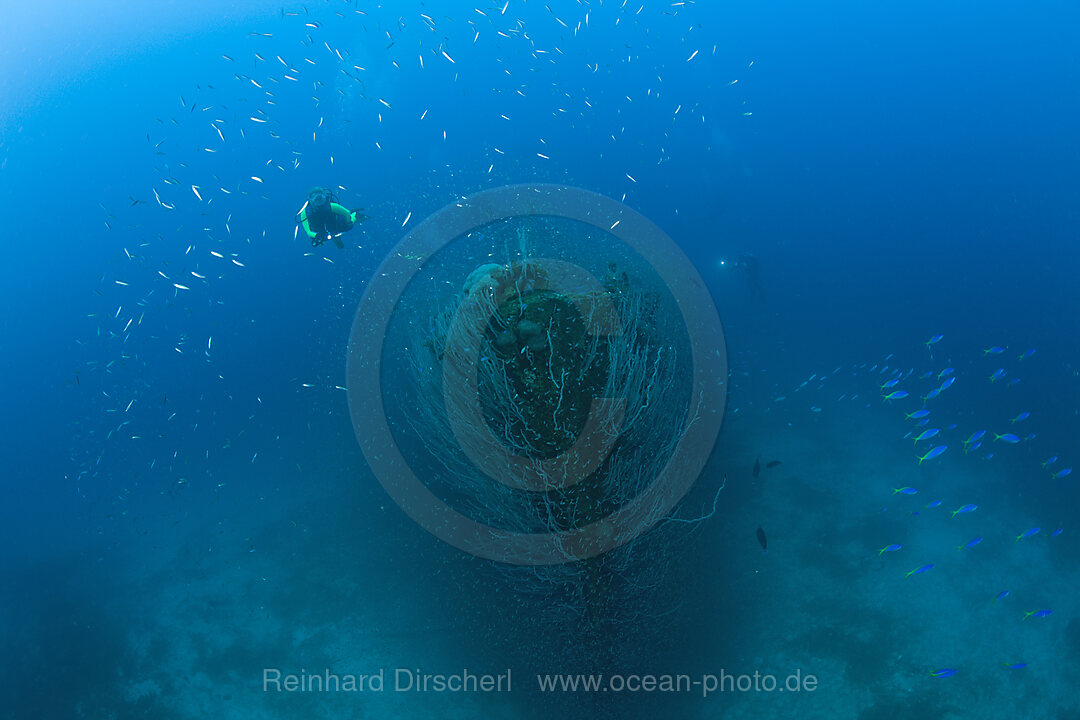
(752, 270)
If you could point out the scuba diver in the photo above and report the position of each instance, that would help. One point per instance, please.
(324, 219)
(752, 269)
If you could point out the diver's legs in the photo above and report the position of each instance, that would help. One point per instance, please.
(754, 290)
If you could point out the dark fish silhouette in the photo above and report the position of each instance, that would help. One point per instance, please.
(761, 539)
(772, 463)
(757, 467)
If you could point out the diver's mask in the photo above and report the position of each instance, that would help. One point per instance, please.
(319, 198)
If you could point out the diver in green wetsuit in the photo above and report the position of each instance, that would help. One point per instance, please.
(324, 219)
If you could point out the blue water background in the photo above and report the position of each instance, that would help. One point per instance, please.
(899, 170)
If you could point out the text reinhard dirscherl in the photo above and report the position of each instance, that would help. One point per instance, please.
(400, 680)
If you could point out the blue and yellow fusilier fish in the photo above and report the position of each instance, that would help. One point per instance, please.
(926, 434)
(920, 570)
(970, 543)
(934, 452)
